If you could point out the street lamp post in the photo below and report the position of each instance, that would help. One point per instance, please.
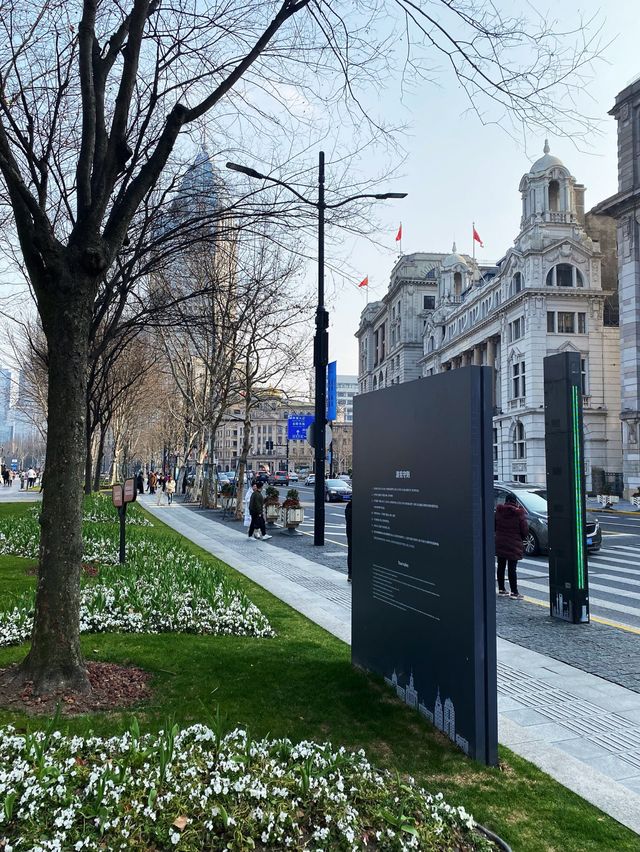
(321, 339)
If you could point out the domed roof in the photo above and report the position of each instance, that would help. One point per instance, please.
(546, 162)
(453, 259)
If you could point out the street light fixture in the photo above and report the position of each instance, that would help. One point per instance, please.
(321, 338)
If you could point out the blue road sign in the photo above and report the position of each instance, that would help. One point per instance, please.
(332, 390)
(297, 425)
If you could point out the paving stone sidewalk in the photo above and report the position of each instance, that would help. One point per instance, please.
(581, 729)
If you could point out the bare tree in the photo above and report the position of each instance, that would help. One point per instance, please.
(92, 113)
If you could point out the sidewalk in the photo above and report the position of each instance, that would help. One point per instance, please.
(582, 730)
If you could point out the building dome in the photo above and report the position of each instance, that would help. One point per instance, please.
(453, 259)
(545, 162)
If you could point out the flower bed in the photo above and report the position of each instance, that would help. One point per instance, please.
(195, 789)
(99, 509)
(162, 588)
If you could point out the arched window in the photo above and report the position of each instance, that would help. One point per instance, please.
(554, 196)
(564, 275)
(519, 442)
(375, 383)
(516, 283)
(431, 345)
(457, 283)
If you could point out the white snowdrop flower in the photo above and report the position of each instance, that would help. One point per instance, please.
(175, 837)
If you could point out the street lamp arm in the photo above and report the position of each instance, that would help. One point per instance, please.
(236, 167)
(377, 196)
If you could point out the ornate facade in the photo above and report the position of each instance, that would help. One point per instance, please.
(551, 292)
(625, 207)
(544, 296)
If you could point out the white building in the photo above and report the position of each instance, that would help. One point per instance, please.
(544, 296)
(347, 388)
(625, 206)
(554, 290)
(390, 332)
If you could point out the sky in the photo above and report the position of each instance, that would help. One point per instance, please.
(458, 171)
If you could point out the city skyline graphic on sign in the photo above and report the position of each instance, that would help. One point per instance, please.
(443, 715)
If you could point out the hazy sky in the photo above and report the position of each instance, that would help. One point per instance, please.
(459, 171)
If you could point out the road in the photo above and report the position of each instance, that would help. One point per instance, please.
(334, 528)
(614, 572)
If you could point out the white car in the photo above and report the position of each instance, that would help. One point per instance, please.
(311, 479)
(293, 477)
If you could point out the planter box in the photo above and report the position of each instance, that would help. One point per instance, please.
(272, 511)
(292, 518)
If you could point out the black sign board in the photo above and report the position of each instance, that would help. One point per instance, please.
(423, 610)
(564, 451)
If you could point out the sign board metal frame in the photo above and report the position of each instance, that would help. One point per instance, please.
(423, 592)
(564, 455)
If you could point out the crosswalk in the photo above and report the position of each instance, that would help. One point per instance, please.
(614, 582)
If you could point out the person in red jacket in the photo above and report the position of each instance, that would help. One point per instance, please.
(511, 529)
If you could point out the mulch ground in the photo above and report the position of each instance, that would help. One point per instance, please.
(113, 687)
(88, 569)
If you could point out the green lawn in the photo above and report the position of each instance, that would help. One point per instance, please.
(301, 684)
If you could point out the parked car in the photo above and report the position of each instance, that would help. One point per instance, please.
(262, 476)
(293, 477)
(280, 477)
(533, 500)
(311, 479)
(336, 490)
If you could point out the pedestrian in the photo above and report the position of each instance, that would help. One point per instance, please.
(140, 482)
(348, 524)
(511, 528)
(257, 528)
(247, 498)
(152, 482)
(31, 478)
(21, 480)
(170, 487)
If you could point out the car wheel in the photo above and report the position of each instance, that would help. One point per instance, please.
(531, 544)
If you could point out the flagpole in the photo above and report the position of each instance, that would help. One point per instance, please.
(473, 239)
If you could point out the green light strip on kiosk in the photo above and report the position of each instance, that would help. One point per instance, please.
(577, 481)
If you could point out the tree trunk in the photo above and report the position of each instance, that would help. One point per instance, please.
(55, 660)
(99, 457)
(246, 446)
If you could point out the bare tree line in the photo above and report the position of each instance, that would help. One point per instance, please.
(96, 101)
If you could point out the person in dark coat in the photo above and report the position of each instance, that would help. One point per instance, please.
(257, 527)
(349, 526)
(511, 528)
(140, 482)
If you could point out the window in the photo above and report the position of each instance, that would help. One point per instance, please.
(564, 275)
(554, 196)
(551, 322)
(428, 303)
(566, 323)
(519, 442)
(495, 445)
(516, 329)
(518, 380)
(457, 284)
(584, 377)
(516, 283)
(582, 323)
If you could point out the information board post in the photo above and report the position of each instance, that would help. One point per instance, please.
(121, 496)
(423, 592)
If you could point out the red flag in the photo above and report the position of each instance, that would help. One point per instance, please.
(364, 282)
(476, 237)
(399, 234)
